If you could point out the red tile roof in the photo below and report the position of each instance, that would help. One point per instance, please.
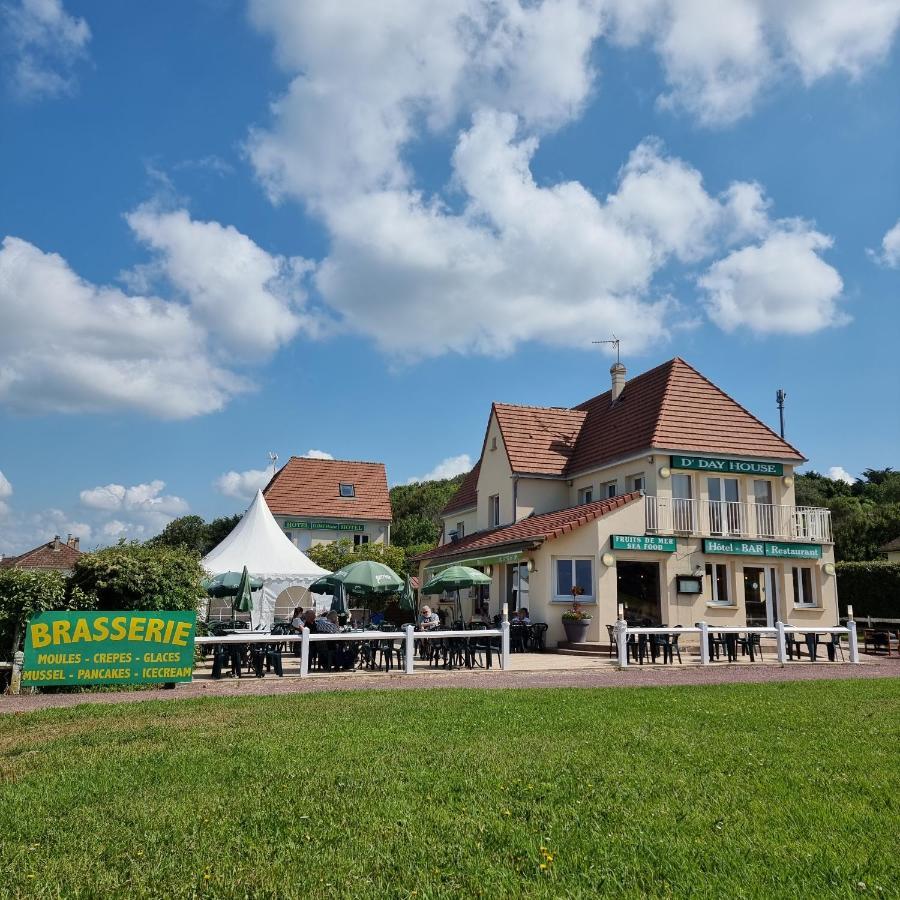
(672, 407)
(310, 487)
(534, 529)
(466, 495)
(539, 439)
(54, 554)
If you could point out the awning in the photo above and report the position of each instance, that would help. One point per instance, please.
(496, 559)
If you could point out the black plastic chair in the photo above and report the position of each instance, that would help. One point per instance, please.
(539, 636)
(750, 644)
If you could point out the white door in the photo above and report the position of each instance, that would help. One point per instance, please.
(764, 508)
(771, 582)
(682, 503)
(724, 506)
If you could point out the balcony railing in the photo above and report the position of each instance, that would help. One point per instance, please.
(722, 518)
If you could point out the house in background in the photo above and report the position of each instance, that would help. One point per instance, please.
(317, 501)
(891, 550)
(54, 556)
(662, 495)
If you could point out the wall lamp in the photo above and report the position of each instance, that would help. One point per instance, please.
(787, 480)
(608, 560)
(828, 568)
(664, 471)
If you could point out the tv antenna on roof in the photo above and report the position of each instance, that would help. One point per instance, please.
(615, 343)
(273, 458)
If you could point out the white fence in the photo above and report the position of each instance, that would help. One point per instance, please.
(623, 631)
(408, 635)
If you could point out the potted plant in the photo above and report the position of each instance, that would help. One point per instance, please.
(575, 620)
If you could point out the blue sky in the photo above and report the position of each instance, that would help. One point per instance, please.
(236, 227)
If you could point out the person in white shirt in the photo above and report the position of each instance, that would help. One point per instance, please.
(522, 617)
(427, 619)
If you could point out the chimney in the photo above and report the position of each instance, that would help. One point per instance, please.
(73, 542)
(617, 370)
(56, 542)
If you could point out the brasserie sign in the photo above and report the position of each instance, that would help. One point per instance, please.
(646, 542)
(317, 525)
(109, 648)
(762, 548)
(719, 466)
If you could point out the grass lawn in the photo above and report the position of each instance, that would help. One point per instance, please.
(781, 790)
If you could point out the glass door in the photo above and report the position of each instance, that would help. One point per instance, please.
(759, 596)
(764, 508)
(724, 506)
(682, 503)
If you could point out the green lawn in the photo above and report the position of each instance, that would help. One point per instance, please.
(782, 790)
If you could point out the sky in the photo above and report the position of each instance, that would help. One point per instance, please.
(234, 228)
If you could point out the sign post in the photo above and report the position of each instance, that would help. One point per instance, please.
(73, 648)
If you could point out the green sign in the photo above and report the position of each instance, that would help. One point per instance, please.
(762, 548)
(717, 466)
(643, 542)
(322, 526)
(109, 648)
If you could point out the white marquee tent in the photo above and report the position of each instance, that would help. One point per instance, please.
(258, 543)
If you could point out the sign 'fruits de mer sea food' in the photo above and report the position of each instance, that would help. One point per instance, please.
(109, 648)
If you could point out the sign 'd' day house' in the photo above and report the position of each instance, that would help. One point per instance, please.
(662, 495)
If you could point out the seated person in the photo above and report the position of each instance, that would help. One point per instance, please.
(482, 615)
(521, 617)
(297, 618)
(309, 620)
(328, 623)
(427, 619)
(377, 619)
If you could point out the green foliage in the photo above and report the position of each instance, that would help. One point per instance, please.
(871, 588)
(341, 553)
(193, 533)
(757, 791)
(865, 515)
(416, 508)
(25, 593)
(140, 576)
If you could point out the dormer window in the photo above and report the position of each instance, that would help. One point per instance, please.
(347, 490)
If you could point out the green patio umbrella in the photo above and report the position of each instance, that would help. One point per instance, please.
(339, 600)
(243, 599)
(227, 584)
(455, 578)
(408, 597)
(360, 581)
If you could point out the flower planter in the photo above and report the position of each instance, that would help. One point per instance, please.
(576, 630)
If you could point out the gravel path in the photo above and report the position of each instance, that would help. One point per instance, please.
(634, 676)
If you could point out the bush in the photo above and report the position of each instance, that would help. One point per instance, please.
(871, 588)
(25, 593)
(139, 576)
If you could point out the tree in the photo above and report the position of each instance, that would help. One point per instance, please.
(417, 510)
(337, 554)
(193, 533)
(139, 576)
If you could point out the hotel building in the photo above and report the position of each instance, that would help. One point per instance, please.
(663, 495)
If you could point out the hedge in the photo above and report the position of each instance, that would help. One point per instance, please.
(871, 588)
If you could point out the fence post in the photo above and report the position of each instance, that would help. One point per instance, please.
(854, 644)
(504, 644)
(782, 646)
(410, 649)
(304, 652)
(15, 676)
(620, 630)
(704, 643)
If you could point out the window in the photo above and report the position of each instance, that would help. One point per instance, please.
(803, 586)
(493, 510)
(717, 573)
(609, 489)
(586, 494)
(360, 539)
(682, 504)
(347, 490)
(636, 482)
(460, 530)
(570, 572)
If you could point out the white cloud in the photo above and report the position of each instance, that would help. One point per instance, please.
(889, 255)
(145, 504)
(46, 44)
(96, 349)
(839, 473)
(447, 468)
(718, 59)
(317, 454)
(780, 285)
(242, 485)
(6, 488)
(250, 300)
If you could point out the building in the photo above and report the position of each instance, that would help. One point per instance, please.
(317, 501)
(891, 550)
(662, 495)
(54, 556)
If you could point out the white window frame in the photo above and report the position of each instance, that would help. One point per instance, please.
(800, 601)
(583, 494)
(346, 484)
(493, 510)
(605, 489)
(714, 584)
(630, 480)
(460, 530)
(360, 538)
(567, 597)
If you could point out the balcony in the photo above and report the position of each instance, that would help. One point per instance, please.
(719, 518)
